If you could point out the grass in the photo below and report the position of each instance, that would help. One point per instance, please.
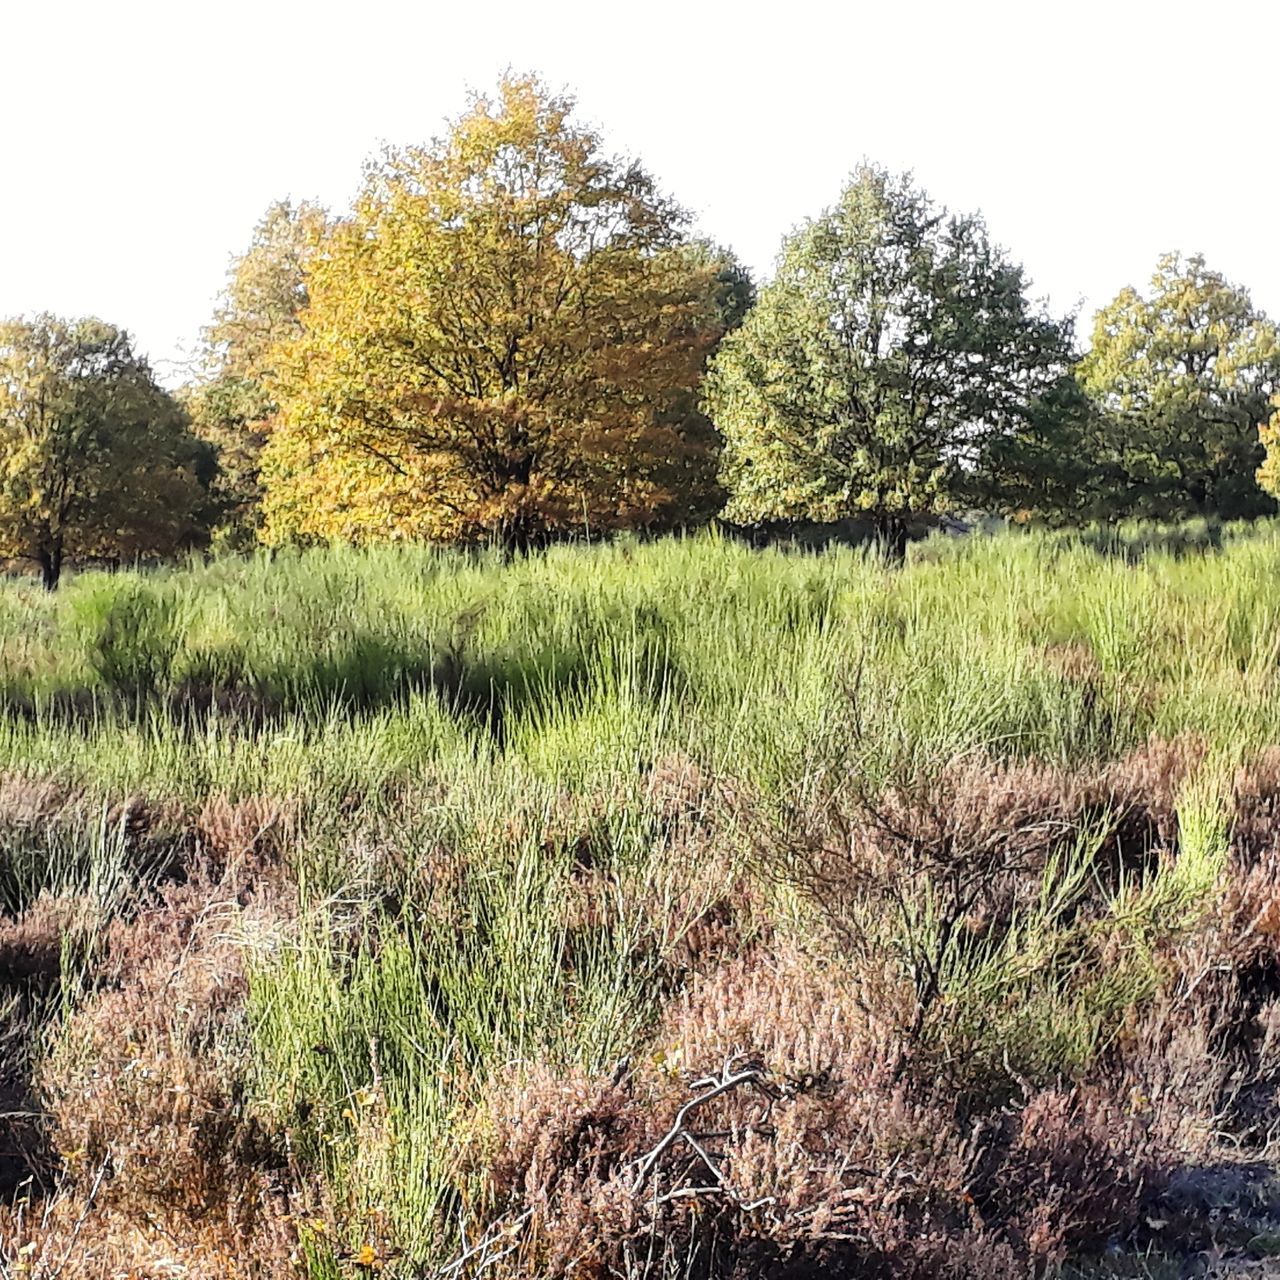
(410, 893)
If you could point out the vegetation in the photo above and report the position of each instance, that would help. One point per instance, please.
(444, 877)
(96, 460)
(894, 342)
(230, 404)
(1182, 381)
(641, 909)
(1166, 418)
(1268, 475)
(505, 340)
(515, 339)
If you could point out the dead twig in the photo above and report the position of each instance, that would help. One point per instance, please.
(485, 1252)
(729, 1078)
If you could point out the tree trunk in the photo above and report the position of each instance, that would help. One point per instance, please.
(891, 537)
(50, 561)
(522, 533)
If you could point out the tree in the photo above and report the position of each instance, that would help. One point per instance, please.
(504, 340)
(96, 460)
(1180, 382)
(733, 291)
(230, 404)
(894, 342)
(1268, 474)
(1049, 469)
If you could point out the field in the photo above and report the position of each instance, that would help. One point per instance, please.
(644, 910)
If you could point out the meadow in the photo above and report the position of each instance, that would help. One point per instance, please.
(645, 909)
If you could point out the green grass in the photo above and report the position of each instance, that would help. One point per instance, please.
(492, 719)
(588, 660)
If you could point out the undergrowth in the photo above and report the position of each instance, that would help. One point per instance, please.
(641, 910)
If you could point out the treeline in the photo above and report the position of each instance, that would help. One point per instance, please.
(515, 337)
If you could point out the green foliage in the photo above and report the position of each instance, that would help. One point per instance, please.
(893, 343)
(1173, 393)
(131, 635)
(230, 404)
(1182, 380)
(582, 661)
(1049, 469)
(96, 460)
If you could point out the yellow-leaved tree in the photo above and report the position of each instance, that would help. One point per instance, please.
(229, 403)
(1268, 474)
(504, 340)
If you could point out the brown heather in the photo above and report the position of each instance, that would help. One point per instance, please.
(844, 1151)
(159, 1169)
(640, 949)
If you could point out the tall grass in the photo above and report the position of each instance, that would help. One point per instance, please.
(470, 749)
(597, 658)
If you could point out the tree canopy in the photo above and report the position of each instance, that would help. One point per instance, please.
(505, 339)
(893, 343)
(515, 336)
(1268, 474)
(230, 403)
(96, 460)
(1180, 381)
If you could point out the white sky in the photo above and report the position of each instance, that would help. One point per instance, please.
(144, 138)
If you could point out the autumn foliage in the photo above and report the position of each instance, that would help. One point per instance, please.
(504, 340)
(1268, 474)
(513, 337)
(231, 403)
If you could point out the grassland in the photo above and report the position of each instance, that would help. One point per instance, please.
(643, 910)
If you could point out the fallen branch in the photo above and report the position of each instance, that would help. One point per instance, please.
(711, 1087)
(482, 1252)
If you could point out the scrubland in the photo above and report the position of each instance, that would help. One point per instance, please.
(670, 909)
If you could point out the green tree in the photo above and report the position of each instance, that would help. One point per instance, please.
(230, 404)
(96, 460)
(1180, 381)
(733, 291)
(504, 340)
(894, 342)
(1050, 468)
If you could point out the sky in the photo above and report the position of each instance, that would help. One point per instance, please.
(144, 138)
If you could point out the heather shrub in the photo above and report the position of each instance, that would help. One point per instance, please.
(74, 1237)
(152, 1160)
(654, 909)
(236, 836)
(145, 1084)
(859, 1170)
